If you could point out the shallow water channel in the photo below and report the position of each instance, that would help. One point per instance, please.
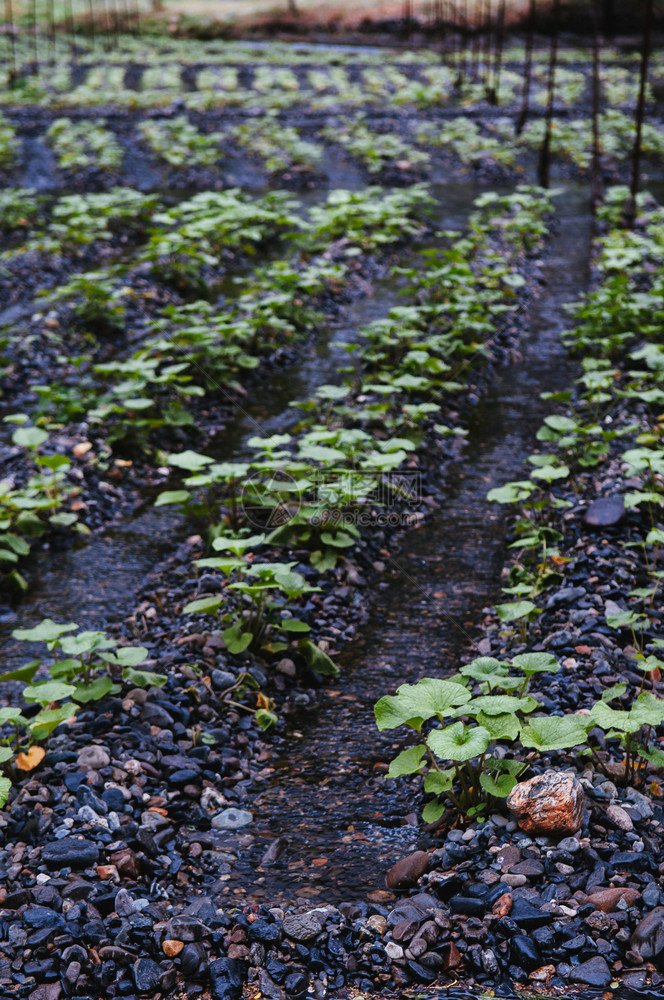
(342, 831)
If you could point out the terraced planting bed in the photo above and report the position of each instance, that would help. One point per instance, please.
(331, 523)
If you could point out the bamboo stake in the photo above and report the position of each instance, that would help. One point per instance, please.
(494, 89)
(9, 18)
(630, 206)
(595, 174)
(527, 69)
(545, 152)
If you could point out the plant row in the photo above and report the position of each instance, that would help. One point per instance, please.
(310, 493)
(285, 77)
(284, 150)
(490, 729)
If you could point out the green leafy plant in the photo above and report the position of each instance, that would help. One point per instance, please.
(179, 143)
(475, 748)
(84, 144)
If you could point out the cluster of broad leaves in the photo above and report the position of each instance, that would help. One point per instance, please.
(83, 666)
(34, 506)
(481, 744)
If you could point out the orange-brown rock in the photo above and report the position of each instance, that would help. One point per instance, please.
(453, 957)
(126, 862)
(406, 872)
(503, 905)
(380, 896)
(108, 872)
(550, 803)
(543, 974)
(171, 947)
(607, 900)
(238, 951)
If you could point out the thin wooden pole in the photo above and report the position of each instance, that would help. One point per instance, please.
(91, 14)
(630, 208)
(527, 69)
(595, 172)
(9, 18)
(545, 152)
(487, 42)
(35, 46)
(494, 90)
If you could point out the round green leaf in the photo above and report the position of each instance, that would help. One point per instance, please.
(536, 663)
(500, 727)
(93, 692)
(499, 785)
(499, 704)
(413, 704)
(438, 782)
(485, 668)
(407, 762)
(46, 631)
(47, 691)
(556, 732)
(5, 788)
(29, 437)
(203, 604)
(459, 742)
(513, 610)
(143, 678)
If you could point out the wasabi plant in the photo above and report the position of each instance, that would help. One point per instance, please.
(83, 666)
(474, 748)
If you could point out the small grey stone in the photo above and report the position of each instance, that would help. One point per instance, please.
(146, 975)
(638, 805)
(124, 904)
(73, 972)
(303, 926)
(86, 814)
(605, 512)
(231, 819)
(226, 979)
(648, 938)
(619, 818)
(651, 895)
(93, 758)
(188, 928)
(490, 962)
(569, 844)
(594, 972)
(258, 676)
(70, 852)
(222, 679)
(155, 715)
(287, 667)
